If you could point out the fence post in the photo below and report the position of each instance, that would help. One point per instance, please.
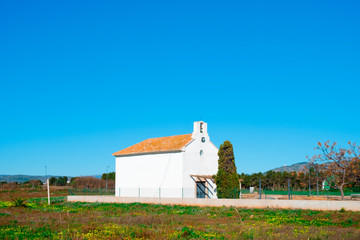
(309, 184)
(182, 192)
(327, 194)
(100, 191)
(119, 191)
(139, 192)
(240, 190)
(48, 189)
(159, 192)
(289, 188)
(260, 187)
(317, 182)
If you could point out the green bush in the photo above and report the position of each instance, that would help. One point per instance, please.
(19, 202)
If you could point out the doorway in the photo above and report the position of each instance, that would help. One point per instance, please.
(200, 189)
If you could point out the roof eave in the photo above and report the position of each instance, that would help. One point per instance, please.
(146, 153)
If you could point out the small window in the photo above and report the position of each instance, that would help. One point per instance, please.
(201, 127)
(201, 152)
(203, 139)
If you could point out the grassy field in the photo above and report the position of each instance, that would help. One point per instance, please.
(63, 220)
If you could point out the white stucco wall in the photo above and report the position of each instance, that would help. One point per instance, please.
(144, 174)
(196, 164)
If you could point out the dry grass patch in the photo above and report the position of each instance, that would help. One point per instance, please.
(63, 220)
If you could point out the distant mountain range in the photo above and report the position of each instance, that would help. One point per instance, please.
(295, 167)
(24, 178)
(21, 178)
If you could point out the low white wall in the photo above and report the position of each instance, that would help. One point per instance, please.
(242, 203)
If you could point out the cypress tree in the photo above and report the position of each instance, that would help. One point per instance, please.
(227, 179)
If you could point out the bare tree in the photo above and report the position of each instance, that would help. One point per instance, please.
(341, 166)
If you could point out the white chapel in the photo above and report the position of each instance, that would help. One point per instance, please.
(179, 166)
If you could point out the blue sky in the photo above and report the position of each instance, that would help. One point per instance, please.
(83, 79)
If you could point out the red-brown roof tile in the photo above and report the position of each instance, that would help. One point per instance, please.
(162, 144)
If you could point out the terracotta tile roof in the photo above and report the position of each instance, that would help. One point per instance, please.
(161, 144)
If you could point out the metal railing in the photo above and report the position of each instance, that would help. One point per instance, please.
(89, 191)
(257, 193)
(165, 192)
(146, 192)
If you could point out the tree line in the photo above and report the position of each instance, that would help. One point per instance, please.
(58, 181)
(337, 167)
(35, 183)
(272, 180)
